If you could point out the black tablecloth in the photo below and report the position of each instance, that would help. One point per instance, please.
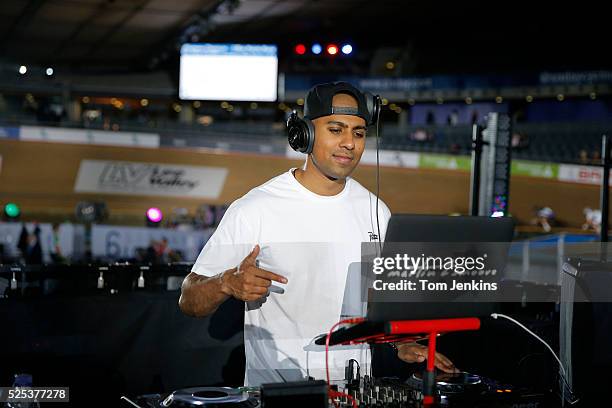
(103, 346)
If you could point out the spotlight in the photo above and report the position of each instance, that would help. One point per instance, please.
(88, 212)
(332, 49)
(11, 211)
(154, 216)
(205, 120)
(85, 212)
(347, 49)
(49, 71)
(23, 69)
(316, 48)
(300, 49)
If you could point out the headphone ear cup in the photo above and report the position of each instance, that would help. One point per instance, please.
(373, 103)
(310, 138)
(300, 133)
(376, 110)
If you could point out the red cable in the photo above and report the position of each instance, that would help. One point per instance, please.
(331, 392)
(398, 331)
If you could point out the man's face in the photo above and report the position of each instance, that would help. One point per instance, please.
(339, 140)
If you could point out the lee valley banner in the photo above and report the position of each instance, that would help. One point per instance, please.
(137, 178)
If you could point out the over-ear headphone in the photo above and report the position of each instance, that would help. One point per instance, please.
(301, 134)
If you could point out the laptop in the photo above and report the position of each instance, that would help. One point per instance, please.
(485, 233)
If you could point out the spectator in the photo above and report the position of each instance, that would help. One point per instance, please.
(179, 218)
(161, 250)
(474, 117)
(33, 252)
(204, 216)
(29, 245)
(595, 157)
(430, 119)
(22, 243)
(592, 220)
(150, 254)
(453, 118)
(519, 141)
(518, 116)
(56, 251)
(583, 157)
(544, 217)
(420, 135)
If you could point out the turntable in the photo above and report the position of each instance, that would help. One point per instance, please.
(209, 397)
(450, 383)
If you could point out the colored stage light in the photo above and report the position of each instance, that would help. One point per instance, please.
(154, 215)
(332, 49)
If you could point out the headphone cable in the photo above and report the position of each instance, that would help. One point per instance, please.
(378, 174)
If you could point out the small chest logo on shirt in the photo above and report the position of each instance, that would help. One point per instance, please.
(373, 236)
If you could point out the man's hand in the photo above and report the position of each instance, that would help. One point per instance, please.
(248, 282)
(417, 353)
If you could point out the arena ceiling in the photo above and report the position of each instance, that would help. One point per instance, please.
(443, 36)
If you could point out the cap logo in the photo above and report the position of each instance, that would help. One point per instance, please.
(344, 110)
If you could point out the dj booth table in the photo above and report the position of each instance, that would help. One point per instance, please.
(103, 346)
(103, 343)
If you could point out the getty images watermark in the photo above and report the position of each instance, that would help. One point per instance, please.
(403, 272)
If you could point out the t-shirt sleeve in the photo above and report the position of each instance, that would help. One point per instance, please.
(384, 214)
(231, 242)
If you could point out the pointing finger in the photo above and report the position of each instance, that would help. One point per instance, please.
(262, 273)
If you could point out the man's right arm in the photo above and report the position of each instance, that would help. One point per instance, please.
(202, 295)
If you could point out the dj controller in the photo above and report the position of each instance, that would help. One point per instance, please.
(452, 390)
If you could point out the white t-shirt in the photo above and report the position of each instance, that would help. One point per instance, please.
(313, 241)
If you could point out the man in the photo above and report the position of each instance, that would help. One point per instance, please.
(285, 248)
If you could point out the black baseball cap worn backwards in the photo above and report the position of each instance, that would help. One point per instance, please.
(319, 101)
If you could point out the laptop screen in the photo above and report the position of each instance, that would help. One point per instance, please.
(439, 235)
